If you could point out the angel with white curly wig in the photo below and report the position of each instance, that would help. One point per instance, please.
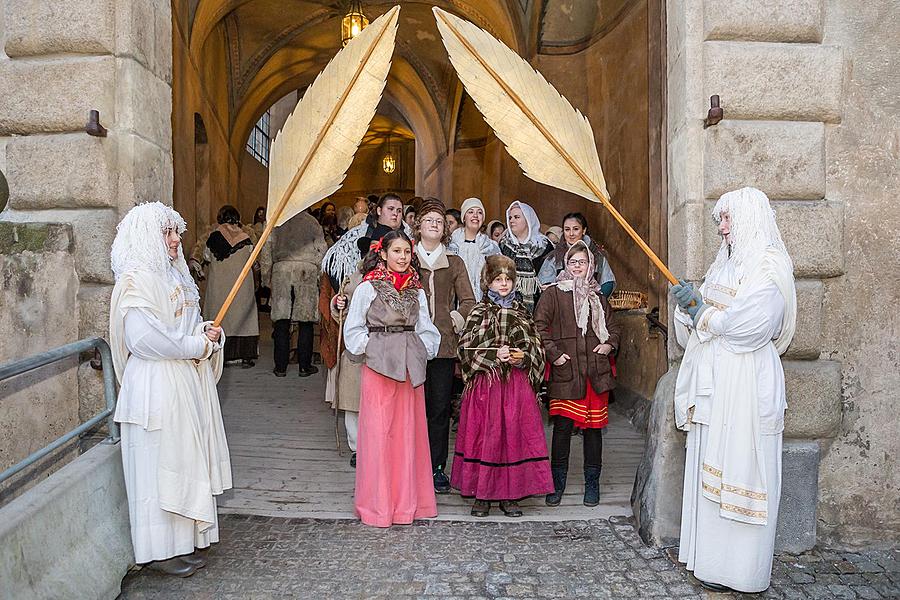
(175, 456)
(140, 243)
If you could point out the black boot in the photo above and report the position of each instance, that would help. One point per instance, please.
(591, 486)
(559, 486)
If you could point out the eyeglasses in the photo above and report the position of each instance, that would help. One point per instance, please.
(575, 262)
(437, 222)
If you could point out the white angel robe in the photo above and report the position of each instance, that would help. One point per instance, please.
(174, 453)
(730, 396)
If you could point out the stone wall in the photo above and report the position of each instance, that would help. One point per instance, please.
(61, 60)
(859, 474)
(797, 90)
(38, 293)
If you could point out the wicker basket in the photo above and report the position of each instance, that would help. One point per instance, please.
(623, 300)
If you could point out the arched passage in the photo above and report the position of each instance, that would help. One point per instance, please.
(237, 59)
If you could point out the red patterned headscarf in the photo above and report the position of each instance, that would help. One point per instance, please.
(400, 281)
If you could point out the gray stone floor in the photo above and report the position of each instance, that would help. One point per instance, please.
(272, 557)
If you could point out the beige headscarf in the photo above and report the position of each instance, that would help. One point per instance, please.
(584, 293)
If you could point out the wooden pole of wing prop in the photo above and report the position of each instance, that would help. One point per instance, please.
(342, 146)
(447, 21)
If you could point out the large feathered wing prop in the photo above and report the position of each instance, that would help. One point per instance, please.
(552, 141)
(315, 147)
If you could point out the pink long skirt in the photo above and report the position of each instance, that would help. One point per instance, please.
(393, 459)
(501, 451)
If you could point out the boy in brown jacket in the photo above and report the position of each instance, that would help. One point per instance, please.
(450, 299)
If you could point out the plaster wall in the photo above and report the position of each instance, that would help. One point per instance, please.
(859, 474)
(206, 173)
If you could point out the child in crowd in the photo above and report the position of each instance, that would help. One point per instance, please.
(501, 452)
(579, 335)
(388, 322)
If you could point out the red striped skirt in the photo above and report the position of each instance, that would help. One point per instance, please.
(591, 412)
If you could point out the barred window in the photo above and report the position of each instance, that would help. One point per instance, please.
(258, 142)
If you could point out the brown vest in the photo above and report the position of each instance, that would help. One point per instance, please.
(393, 354)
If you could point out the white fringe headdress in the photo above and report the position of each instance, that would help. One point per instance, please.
(140, 244)
(753, 229)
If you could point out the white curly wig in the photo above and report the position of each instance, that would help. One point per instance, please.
(753, 229)
(140, 242)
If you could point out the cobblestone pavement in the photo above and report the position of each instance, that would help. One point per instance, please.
(270, 557)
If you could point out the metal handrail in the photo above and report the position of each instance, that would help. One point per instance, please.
(18, 367)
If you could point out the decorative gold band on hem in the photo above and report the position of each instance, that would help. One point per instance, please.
(744, 492)
(711, 490)
(757, 514)
(712, 470)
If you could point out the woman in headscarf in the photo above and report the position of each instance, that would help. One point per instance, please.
(575, 229)
(470, 244)
(495, 230)
(227, 249)
(528, 247)
(730, 397)
(167, 360)
(579, 335)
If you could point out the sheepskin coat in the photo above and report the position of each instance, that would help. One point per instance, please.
(297, 248)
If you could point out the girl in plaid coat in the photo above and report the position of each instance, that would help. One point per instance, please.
(501, 452)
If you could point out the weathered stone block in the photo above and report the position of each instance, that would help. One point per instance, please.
(61, 171)
(796, 531)
(35, 27)
(686, 237)
(812, 231)
(94, 232)
(144, 103)
(144, 32)
(685, 166)
(775, 81)
(785, 160)
(658, 484)
(55, 95)
(764, 20)
(69, 537)
(813, 397)
(93, 310)
(145, 172)
(808, 334)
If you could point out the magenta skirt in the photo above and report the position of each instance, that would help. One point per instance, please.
(501, 451)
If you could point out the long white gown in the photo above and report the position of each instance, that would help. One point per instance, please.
(728, 531)
(168, 396)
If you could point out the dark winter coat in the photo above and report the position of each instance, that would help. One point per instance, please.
(554, 318)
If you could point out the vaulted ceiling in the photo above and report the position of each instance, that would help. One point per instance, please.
(276, 46)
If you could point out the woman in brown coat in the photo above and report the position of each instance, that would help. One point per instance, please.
(575, 324)
(450, 299)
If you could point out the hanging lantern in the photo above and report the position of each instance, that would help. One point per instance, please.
(353, 23)
(389, 162)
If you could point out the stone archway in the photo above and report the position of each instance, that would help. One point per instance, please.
(621, 50)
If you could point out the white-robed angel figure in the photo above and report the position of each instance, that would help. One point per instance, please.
(730, 396)
(167, 361)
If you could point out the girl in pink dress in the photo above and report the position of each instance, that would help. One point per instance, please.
(388, 322)
(501, 452)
